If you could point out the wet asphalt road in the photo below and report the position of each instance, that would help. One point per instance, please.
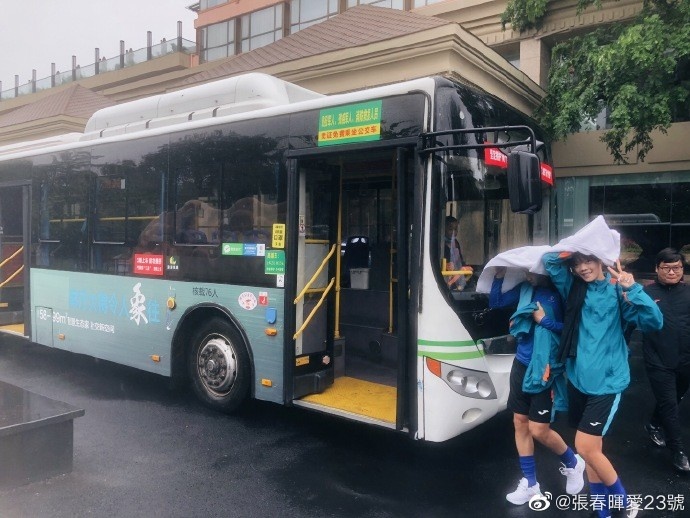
(143, 450)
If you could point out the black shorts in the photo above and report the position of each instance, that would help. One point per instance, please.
(537, 406)
(591, 414)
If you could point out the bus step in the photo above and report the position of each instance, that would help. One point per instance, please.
(11, 317)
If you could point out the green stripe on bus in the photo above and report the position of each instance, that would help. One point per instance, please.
(452, 356)
(447, 343)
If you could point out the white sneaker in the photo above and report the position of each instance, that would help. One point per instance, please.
(523, 493)
(574, 477)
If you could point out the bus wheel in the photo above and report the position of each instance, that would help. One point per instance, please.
(219, 366)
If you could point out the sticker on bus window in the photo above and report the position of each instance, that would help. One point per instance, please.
(148, 264)
(546, 173)
(275, 262)
(352, 123)
(278, 240)
(172, 263)
(232, 249)
(302, 226)
(496, 157)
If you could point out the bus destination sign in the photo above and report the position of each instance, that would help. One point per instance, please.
(351, 123)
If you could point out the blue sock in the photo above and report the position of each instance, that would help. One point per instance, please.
(529, 469)
(568, 458)
(599, 499)
(617, 489)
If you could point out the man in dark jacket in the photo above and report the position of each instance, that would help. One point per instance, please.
(667, 354)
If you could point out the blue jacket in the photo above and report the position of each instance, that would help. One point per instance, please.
(543, 370)
(601, 365)
(549, 300)
(538, 343)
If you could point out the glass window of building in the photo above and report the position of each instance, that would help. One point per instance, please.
(422, 3)
(393, 4)
(218, 41)
(304, 13)
(648, 210)
(262, 27)
(207, 4)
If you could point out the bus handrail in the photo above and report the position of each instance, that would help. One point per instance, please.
(464, 270)
(428, 140)
(15, 254)
(12, 276)
(316, 274)
(313, 311)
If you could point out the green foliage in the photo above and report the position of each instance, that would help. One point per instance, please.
(529, 14)
(633, 69)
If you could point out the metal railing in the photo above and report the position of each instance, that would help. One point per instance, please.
(123, 60)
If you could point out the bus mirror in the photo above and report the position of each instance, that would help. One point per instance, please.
(524, 182)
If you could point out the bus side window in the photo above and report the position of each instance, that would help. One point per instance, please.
(63, 232)
(197, 202)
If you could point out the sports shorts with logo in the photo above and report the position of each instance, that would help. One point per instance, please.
(591, 414)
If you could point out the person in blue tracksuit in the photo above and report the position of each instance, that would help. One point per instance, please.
(598, 306)
(536, 324)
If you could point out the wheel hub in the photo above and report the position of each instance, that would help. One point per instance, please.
(217, 365)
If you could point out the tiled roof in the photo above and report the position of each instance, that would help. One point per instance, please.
(355, 27)
(75, 101)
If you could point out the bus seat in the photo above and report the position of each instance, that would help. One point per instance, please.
(357, 252)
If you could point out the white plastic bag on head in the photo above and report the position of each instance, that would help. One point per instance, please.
(595, 238)
(518, 262)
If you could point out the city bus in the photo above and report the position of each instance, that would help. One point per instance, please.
(252, 239)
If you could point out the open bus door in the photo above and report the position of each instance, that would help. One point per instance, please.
(349, 356)
(14, 259)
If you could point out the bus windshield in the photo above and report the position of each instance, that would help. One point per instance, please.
(471, 206)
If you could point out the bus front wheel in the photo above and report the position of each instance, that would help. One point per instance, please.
(219, 366)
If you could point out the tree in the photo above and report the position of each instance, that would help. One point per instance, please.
(640, 70)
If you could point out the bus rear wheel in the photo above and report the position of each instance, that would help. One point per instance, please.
(219, 366)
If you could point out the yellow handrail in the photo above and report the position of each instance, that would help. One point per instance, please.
(20, 249)
(318, 271)
(12, 276)
(465, 270)
(313, 311)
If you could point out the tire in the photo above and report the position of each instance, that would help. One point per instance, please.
(219, 366)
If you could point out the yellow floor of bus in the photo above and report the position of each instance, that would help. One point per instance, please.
(359, 397)
(14, 328)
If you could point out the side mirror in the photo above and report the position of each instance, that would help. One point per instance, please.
(524, 182)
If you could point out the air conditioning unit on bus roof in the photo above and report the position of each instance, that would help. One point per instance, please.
(224, 97)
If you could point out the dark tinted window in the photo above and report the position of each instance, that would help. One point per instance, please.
(128, 203)
(230, 190)
(62, 198)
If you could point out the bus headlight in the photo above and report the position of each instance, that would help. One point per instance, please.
(467, 382)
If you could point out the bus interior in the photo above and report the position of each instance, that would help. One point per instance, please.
(13, 254)
(358, 328)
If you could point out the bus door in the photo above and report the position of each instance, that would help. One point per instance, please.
(347, 287)
(14, 259)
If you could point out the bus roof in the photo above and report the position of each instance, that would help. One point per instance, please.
(228, 96)
(253, 95)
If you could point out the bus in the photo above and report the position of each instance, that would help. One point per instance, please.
(254, 239)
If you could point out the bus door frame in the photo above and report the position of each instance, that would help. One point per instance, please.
(290, 310)
(408, 275)
(26, 243)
